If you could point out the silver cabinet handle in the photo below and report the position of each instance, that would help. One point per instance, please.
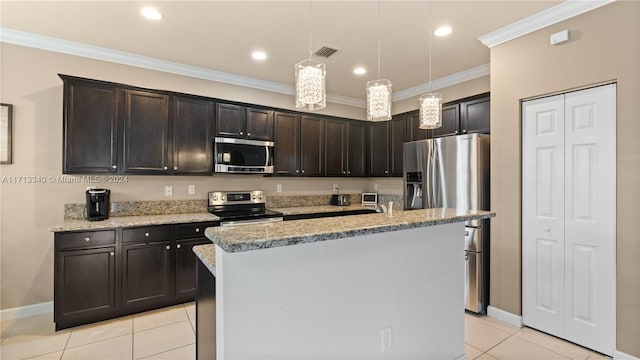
(87, 238)
(114, 166)
(178, 246)
(248, 134)
(175, 168)
(146, 234)
(349, 172)
(112, 253)
(165, 168)
(168, 247)
(464, 131)
(241, 132)
(303, 171)
(297, 171)
(386, 171)
(344, 172)
(197, 229)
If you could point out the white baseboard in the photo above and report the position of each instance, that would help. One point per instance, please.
(504, 316)
(619, 355)
(26, 311)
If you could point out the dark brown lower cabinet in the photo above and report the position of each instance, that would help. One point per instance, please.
(146, 273)
(186, 267)
(109, 273)
(205, 314)
(85, 283)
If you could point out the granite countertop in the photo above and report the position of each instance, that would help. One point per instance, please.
(207, 255)
(262, 236)
(127, 221)
(316, 209)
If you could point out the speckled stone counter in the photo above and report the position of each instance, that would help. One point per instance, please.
(128, 221)
(246, 238)
(207, 255)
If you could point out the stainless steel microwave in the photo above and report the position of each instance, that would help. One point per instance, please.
(243, 156)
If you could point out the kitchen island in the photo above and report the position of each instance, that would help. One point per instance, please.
(366, 286)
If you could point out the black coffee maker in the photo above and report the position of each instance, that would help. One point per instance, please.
(98, 204)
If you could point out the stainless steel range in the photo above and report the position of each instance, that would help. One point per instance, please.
(241, 208)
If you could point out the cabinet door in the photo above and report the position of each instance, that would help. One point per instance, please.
(192, 136)
(397, 139)
(475, 116)
(146, 128)
(379, 149)
(336, 152)
(312, 146)
(90, 128)
(146, 273)
(357, 149)
(259, 124)
(85, 283)
(231, 120)
(450, 121)
(413, 130)
(286, 154)
(186, 267)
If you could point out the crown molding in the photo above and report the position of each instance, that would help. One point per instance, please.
(556, 14)
(22, 38)
(453, 79)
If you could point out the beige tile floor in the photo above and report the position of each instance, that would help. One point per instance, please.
(169, 334)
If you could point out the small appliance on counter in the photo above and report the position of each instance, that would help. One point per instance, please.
(340, 199)
(369, 199)
(98, 204)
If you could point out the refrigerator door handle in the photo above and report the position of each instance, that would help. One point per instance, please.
(427, 178)
(433, 178)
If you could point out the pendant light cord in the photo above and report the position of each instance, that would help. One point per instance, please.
(378, 39)
(429, 21)
(309, 29)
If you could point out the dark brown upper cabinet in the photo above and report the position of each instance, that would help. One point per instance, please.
(379, 149)
(244, 122)
(192, 135)
(414, 132)
(146, 133)
(286, 135)
(465, 116)
(312, 130)
(475, 116)
(345, 148)
(90, 113)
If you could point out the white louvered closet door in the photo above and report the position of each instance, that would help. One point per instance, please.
(569, 216)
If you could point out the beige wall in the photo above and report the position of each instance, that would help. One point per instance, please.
(604, 46)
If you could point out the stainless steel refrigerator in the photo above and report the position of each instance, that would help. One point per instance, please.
(453, 172)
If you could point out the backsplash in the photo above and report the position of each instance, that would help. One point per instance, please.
(163, 207)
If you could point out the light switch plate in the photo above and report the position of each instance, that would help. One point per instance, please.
(168, 190)
(192, 189)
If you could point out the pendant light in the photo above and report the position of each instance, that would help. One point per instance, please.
(379, 92)
(311, 90)
(430, 112)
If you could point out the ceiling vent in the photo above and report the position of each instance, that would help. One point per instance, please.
(325, 51)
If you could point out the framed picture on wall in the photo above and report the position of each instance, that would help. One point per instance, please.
(6, 113)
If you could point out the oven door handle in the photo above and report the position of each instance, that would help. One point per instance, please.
(224, 224)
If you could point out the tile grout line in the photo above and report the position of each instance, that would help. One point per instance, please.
(64, 349)
(162, 352)
(553, 351)
(133, 339)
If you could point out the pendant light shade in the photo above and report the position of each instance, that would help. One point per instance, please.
(311, 91)
(430, 112)
(379, 100)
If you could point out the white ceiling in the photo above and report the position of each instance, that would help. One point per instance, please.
(220, 35)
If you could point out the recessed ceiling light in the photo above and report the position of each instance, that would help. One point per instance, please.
(151, 13)
(359, 70)
(443, 31)
(259, 55)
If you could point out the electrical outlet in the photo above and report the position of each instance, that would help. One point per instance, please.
(387, 338)
(278, 187)
(375, 187)
(168, 190)
(335, 187)
(192, 189)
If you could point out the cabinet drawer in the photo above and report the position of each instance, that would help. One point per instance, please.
(194, 230)
(147, 234)
(84, 239)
